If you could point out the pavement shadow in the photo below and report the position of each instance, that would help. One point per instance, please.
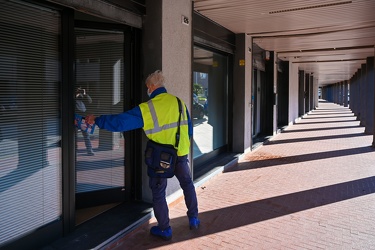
(235, 216)
(304, 122)
(347, 114)
(265, 161)
(319, 129)
(318, 138)
(330, 117)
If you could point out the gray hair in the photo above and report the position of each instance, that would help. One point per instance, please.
(156, 79)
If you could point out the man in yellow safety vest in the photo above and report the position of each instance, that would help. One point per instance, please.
(158, 118)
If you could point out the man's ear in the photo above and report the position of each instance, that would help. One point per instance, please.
(152, 88)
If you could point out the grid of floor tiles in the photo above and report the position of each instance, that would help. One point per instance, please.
(311, 187)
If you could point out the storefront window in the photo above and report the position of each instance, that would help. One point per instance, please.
(210, 101)
(30, 132)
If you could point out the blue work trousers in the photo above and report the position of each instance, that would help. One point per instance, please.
(158, 186)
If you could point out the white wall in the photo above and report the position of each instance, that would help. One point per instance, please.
(293, 93)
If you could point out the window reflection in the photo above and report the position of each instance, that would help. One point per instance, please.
(209, 111)
(99, 76)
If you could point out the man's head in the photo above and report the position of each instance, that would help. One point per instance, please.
(154, 81)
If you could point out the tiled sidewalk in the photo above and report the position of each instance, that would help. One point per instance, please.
(310, 187)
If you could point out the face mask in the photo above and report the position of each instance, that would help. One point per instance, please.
(148, 93)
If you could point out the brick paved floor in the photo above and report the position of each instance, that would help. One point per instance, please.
(310, 187)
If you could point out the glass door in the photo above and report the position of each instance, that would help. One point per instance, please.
(99, 89)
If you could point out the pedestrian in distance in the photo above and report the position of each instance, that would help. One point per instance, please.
(158, 117)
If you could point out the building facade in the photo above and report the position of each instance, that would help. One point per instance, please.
(60, 58)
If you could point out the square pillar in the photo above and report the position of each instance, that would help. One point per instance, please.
(242, 82)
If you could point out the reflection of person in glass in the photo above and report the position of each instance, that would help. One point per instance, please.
(158, 118)
(82, 97)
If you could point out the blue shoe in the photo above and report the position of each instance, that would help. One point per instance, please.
(194, 223)
(164, 234)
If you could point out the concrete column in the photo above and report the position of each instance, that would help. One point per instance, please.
(276, 95)
(301, 92)
(269, 97)
(167, 45)
(341, 93)
(325, 93)
(316, 94)
(294, 93)
(369, 126)
(242, 80)
(335, 93)
(345, 93)
(312, 105)
(346, 88)
(363, 95)
(358, 94)
(329, 93)
(283, 95)
(353, 94)
(373, 107)
(307, 95)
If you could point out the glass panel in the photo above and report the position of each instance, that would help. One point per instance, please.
(30, 133)
(99, 90)
(210, 101)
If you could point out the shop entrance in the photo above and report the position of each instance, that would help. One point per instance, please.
(100, 167)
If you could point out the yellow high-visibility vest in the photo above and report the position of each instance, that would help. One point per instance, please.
(160, 118)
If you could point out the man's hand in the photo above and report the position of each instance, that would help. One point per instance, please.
(90, 119)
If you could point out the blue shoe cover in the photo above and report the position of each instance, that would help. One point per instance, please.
(194, 222)
(164, 234)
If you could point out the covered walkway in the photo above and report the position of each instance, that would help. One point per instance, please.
(310, 187)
